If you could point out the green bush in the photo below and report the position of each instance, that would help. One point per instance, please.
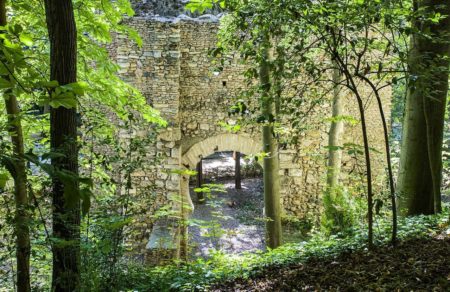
(339, 211)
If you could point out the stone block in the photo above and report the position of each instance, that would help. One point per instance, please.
(170, 134)
(164, 242)
(204, 127)
(160, 183)
(295, 172)
(173, 185)
(192, 126)
(285, 157)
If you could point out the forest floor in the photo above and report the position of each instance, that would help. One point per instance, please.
(415, 265)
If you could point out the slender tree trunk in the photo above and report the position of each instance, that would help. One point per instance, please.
(271, 161)
(200, 195)
(354, 88)
(22, 217)
(19, 174)
(335, 135)
(389, 167)
(63, 130)
(388, 159)
(420, 174)
(368, 170)
(237, 170)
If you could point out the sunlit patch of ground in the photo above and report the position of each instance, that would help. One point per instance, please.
(231, 221)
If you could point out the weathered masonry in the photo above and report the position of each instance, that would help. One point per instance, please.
(174, 72)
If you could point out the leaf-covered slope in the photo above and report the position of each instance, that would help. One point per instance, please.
(417, 264)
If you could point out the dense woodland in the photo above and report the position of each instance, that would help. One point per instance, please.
(64, 214)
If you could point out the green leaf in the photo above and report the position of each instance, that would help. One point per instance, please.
(134, 35)
(3, 70)
(66, 100)
(16, 29)
(200, 5)
(26, 39)
(4, 84)
(49, 84)
(4, 177)
(78, 88)
(85, 195)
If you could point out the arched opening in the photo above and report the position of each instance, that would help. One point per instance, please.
(224, 142)
(228, 215)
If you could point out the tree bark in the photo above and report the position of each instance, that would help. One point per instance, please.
(63, 129)
(237, 170)
(335, 135)
(420, 173)
(271, 162)
(19, 174)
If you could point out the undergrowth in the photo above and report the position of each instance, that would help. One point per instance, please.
(202, 273)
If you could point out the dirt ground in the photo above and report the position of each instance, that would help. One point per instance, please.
(415, 265)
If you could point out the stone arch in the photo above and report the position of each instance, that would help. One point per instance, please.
(222, 142)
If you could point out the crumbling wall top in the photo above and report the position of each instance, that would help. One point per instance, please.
(166, 8)
(208, 18)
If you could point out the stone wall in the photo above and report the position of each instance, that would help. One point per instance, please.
(205, 97)
(175, 73)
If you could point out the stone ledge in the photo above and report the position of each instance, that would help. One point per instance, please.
(164, 242)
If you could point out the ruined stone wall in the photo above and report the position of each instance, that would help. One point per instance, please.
(154, 69)
(302, 167)
(205, 97)
(175, 73)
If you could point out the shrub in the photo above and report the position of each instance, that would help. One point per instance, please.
(339, 211)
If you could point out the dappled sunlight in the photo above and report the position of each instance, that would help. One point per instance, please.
(233, 225)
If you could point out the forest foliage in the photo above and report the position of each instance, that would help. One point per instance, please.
(376, 43)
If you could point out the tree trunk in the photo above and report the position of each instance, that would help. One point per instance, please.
(63, 130)
(388, 158)
(200, 195)
(335, 135)
(368, 170)
(19, 174)
(271, 162)
(237, 171)
(420, 174)
(354, 88)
